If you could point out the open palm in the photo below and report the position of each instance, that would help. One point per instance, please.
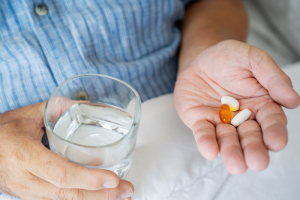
(251, 76)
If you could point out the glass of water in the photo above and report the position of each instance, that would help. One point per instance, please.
(92, 120)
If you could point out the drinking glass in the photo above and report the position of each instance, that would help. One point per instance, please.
(92, 120)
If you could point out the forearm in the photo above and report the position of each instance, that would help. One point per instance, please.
(208, 23)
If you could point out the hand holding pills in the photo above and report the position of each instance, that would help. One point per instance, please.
(231, 97)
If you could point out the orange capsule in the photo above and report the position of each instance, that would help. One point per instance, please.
(225, 113)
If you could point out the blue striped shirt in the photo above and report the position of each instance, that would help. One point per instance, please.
(133, 40)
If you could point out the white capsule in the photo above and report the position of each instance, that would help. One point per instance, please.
(232, 102)
(241, 117)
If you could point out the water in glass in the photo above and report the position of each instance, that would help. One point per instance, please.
(92, 124)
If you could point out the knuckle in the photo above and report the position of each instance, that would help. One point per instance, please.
(109, 195)
(288, 79)
(20, 187)
(61, 177)
(61, 194)
(265, 58)
(74, 194)
(265, 54)
(77, 195)
(8, 186)
(4, 186)
(17, 156)
(7, 131)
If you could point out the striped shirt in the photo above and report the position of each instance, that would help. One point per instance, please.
(133, 40)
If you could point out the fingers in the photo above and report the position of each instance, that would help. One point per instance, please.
(255, 152)
(282, 92)
(64, 174)
(124, 190)
(204, 133)
(230, 149)
(271, 77)
(40, 189)
(273, 124)
(251, 149)
(245, 146)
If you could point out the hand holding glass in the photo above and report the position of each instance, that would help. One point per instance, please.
(92, 120)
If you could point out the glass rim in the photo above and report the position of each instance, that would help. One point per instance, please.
(131, 130)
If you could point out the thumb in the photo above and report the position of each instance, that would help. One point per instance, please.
(271, 77)
(58, 171)
(55, 108)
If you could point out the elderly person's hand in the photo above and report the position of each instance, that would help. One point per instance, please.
(30, 171)
(252, 77)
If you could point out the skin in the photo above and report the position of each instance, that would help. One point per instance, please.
(213, 65)
(208, 69)
(30, 171)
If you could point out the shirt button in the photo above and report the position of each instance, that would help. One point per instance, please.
(83, 96)
(41, 9)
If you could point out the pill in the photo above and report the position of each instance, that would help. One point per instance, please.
(241, 117)
(232, 102)
(225, 113)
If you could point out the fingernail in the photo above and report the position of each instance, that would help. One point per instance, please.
(127, 193)
(125, 199)
(110, 184)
